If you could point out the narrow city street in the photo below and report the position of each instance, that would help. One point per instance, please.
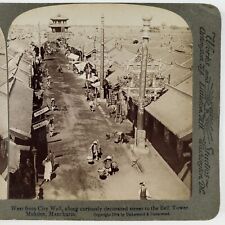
(76, 127)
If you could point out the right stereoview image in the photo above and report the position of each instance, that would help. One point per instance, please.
(100, 104)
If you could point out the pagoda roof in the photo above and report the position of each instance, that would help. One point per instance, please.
(59, 17)
(59, 25)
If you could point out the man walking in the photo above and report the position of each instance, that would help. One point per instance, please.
(143, 192)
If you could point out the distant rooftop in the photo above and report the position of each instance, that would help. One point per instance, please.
(59, 17)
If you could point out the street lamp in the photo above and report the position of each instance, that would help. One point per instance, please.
(140, 132)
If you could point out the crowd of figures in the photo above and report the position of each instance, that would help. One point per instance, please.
(116, 102)
(23, 181)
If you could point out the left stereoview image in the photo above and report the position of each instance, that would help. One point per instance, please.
(4, 119)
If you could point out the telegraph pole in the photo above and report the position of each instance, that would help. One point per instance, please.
(39, 38)
(102, 59)
(140, 132)
(95, 47)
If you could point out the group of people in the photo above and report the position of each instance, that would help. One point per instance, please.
(92, 99)
(51, 126)
(110, 166)
(119, 137)
(117, 106)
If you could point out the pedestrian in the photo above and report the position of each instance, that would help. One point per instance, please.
(120, 137)
(48, 169)
(28, 172)
(87, 92)
(27, 190)
(99, 149)
(92, 105)
(118, 112)
(124, 108)
(53, 105)
(51, 127)
(108, 164)
(51, 157)
(59, 69)
(36, 50)
(95, 150)
(48, 83)
(111, 110)
(46, 73)
(143, 192)
(40, 194)
(42, 53)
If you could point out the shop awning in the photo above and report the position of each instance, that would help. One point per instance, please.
(3, 76)
(27, 58)
(4, 88)
(72, 56)
(174, 111)
(14, 157)
(93, 79)
(13, 62)
(114, 77)
(25, 67)
(20, 108)
(12, 73)
(82, 76)
(96, 85)
(23, 76)
(177, 74)
(122, 57)
(80, 66)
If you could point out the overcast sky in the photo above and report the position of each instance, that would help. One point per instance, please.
(89, 14)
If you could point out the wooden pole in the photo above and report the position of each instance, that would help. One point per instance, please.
(39, 38)
(102, 59)
(141, 134)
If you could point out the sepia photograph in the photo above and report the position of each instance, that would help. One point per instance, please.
(100, 104)
(3, 119)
